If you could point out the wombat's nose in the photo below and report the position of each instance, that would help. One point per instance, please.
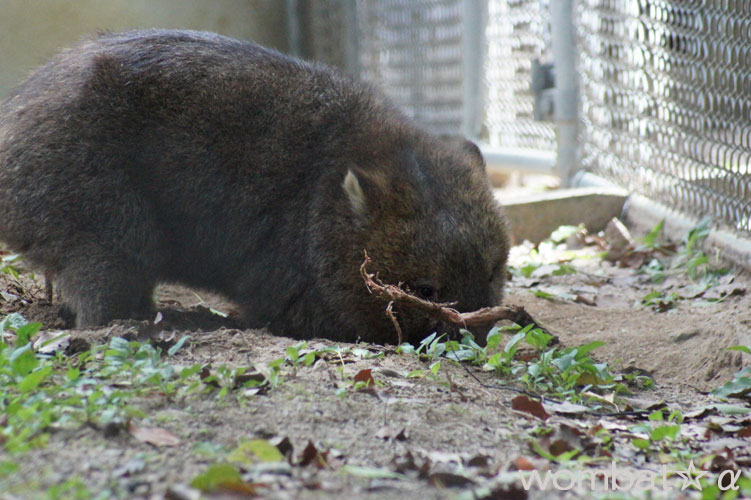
(434, 326)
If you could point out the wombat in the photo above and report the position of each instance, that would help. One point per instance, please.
(156, 156)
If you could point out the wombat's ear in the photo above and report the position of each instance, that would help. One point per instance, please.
(354, 193)
(469, 147)
(473, 150)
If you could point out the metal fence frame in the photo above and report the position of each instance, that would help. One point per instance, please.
(474, 13)
(561, 102)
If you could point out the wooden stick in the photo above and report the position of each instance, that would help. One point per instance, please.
(392, 316)
(442, 311)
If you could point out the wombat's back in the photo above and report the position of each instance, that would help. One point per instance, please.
(218, 134)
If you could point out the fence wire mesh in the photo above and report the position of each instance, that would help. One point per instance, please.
(325, 28)
(410, 49)
(516, 34)
(413, 50)
(666, 101)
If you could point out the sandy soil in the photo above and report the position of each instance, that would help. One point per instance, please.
(449, 435)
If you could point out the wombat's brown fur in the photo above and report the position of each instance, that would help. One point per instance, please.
(176, 156)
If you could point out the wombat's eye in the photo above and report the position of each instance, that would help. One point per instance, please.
(426, 292)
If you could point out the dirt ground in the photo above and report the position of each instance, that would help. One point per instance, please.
(448, 436)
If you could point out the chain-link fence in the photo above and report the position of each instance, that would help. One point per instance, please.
(417, 50)
(666, 101)
(413, 50)
(327, 27)
(516, 34)
(665, 85)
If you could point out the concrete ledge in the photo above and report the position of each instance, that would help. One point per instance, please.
(642, 214)
(534, 217)
(507, 160)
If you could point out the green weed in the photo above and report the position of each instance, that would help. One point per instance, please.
(564, 373)
(42, 392)
(689, 259)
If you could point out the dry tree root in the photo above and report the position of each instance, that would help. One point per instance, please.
(392, 316)
(442, 311)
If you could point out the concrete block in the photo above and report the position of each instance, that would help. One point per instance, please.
(534, 216)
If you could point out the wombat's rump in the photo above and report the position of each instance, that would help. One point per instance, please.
(176, 156)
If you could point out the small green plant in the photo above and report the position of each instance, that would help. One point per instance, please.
(664, 431)
(566, 373)
(503, 361)
(660, 301)
(689, 259)
(562, 233)
(652, 240)
(656, 271)
(430, 347)
(431, 372)
(40, 392)
(297, 358)
(11, 265)
(71, 489)
(740, 385)
(540, 270)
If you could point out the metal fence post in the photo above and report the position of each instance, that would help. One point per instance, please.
(352, 35)
(566, 97)
(474, 13)
(294, 44)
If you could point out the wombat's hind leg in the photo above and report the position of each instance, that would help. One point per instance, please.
(100, 288)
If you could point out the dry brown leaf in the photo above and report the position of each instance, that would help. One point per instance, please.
(521, 463)
(527, 405)
(722, 291)
(479, 461)
(284, 445)
(365, 376)
(449, 480)
(311, 455)
(154, 436)
(583, 299)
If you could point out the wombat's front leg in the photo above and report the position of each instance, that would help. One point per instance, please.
(99, 286)
(49, 291)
